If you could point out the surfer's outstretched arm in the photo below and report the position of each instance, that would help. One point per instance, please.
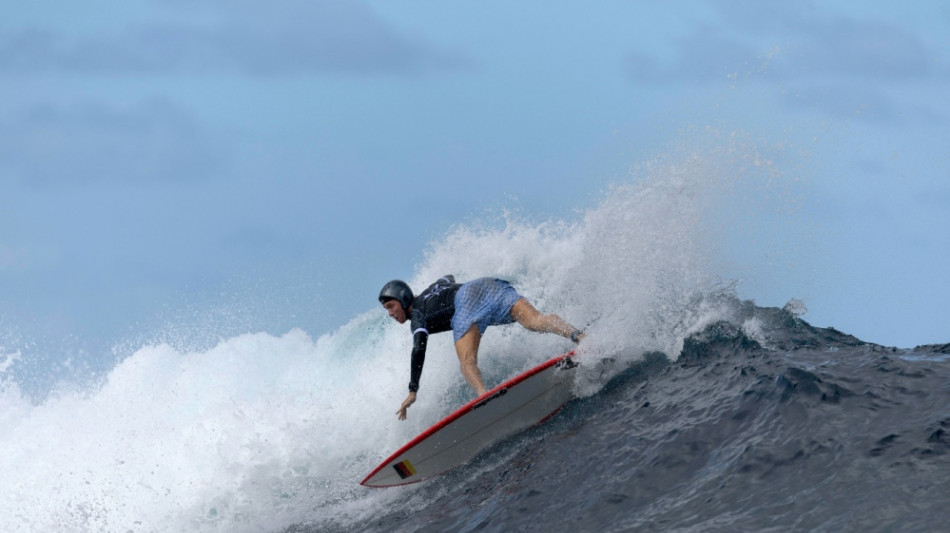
(418, 359)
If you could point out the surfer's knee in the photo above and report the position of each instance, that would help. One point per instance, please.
(466, 354)
(467, 345)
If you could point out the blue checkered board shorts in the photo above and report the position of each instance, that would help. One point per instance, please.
(483, 302)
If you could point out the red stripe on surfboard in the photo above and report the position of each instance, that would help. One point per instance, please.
(465, 409)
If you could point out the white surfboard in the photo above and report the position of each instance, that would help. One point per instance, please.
(515, 405)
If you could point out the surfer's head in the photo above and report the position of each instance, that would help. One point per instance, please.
(396, 297)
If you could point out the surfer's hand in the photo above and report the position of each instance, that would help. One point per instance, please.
(411, 399)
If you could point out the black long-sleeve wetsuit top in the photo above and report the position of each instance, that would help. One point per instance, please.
(431, 312)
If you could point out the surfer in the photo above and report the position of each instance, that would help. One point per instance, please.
(467, 309)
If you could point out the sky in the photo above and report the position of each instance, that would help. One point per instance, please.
(240, 167)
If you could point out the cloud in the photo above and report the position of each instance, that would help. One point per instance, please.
(842, 66)
(279, 39)
(700, 57)
(860, 50)
(844, 101)
(86, 143)
(778, 41)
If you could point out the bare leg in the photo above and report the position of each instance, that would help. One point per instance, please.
(533, 320)
(467, 350)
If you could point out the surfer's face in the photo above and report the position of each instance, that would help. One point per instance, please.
(395, 310)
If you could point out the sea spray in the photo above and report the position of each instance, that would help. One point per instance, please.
(259, 432)
(637, 269)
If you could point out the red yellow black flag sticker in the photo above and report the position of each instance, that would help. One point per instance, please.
(404, 469)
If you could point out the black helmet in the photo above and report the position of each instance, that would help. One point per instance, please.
(397, 290)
